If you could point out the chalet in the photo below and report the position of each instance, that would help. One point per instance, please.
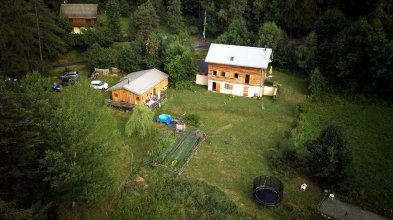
(139, 87)
(238, 70)
(80, 15)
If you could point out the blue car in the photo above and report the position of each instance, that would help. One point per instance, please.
(56, 87)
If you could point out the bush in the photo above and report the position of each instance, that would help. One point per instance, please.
(328, 155)
(193, 120)
(286, 157)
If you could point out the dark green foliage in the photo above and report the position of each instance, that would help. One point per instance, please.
(298, 15)
(143, 22)
(22, 111)
(174, 16)
(19, 42)
(237, 34)
(306, 53)
(128, 59)
(328, 155)
(286, 157)
(100, 57)
(270, 35)
(140, 123)
(193, 119)
(124, 7)
(82, 144)
(181, 68)
(113, 13)
(361, 59)
(316, 83)
(330, 24)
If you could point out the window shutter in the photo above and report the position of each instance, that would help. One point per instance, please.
(230, 86)
(251, 79)
(231, 75)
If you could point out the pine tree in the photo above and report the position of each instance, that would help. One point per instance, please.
(175, 18)
(143, 22)
(83, 147)
(113, 13)
(19, 41)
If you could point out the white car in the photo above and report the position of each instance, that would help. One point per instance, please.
(97, 84)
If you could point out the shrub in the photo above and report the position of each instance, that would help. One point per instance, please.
(286, 157)
(193, 120)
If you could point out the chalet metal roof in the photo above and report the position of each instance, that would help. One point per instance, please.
(141, 81)
(239, 55)
(79, 10)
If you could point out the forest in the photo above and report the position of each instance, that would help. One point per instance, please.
(58, 151)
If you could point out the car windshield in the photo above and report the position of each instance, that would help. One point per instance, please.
(101, 83)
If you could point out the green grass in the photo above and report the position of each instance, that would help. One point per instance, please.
(369, 130)
(242, 132)
(69, 57)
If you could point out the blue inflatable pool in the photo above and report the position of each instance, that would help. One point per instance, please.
(165, 118)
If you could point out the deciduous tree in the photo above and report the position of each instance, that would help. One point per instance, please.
(140, 122)
(328, 155)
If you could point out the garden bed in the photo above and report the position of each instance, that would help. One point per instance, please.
(174, 152)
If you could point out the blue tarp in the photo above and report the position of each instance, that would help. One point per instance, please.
(165, 118)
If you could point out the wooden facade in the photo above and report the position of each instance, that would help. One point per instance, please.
(123, 95)
(83, 22)
(236, 75)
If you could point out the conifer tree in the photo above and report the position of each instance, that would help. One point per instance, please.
(113, 13)
(175, 18)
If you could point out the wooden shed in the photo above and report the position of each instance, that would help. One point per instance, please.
(80, 15)
(139, 87)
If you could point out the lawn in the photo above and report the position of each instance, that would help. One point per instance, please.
(242, 132)
(368, 128)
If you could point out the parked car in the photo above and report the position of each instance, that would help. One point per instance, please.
(70, 75)
(56, 87)
(97, 84)
(64, 82)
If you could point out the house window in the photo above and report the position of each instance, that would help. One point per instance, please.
(137, 98)
(236, 75)
(223, 74)
(115, 94)
(226, 86)
(214, 73)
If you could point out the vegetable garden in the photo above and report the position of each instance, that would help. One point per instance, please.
(177, 153)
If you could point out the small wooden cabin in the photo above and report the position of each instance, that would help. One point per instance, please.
(237, 70)
(80, 15)
(138, 87)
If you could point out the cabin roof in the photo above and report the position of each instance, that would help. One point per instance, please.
(79, 10)
(141, 81)
(239, 55)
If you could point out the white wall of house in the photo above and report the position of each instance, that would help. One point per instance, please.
(201, 79)
(237, 89)
(269, 91)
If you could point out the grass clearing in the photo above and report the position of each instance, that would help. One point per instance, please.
(242, 132)
(69, 57)
(369, 130)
